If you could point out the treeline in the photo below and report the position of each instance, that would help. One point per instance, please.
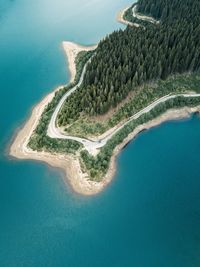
(181, 83)
(127, 59)
(169, 10)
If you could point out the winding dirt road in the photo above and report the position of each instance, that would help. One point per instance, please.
(92, 146)
(143, 17)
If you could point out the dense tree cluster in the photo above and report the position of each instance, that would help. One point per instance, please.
(170, 10)
(127, 59)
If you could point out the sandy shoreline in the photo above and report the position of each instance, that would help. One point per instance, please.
(70, 164)
(72, 50)
(120, 18)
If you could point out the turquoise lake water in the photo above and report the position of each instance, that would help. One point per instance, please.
(149, 216)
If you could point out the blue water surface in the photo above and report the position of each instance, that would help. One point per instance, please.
(149, 216)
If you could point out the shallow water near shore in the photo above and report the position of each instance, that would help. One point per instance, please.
(148, 216)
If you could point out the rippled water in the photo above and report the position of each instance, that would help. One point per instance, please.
(148, 216)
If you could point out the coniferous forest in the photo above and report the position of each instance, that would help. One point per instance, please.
(132, 57)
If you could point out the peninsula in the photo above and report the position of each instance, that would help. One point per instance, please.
(133, 80)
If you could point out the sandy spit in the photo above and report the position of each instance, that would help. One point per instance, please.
(70, 164)
(72, 50)
(120, 18)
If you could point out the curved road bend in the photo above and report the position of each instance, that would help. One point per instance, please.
(92, 146)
